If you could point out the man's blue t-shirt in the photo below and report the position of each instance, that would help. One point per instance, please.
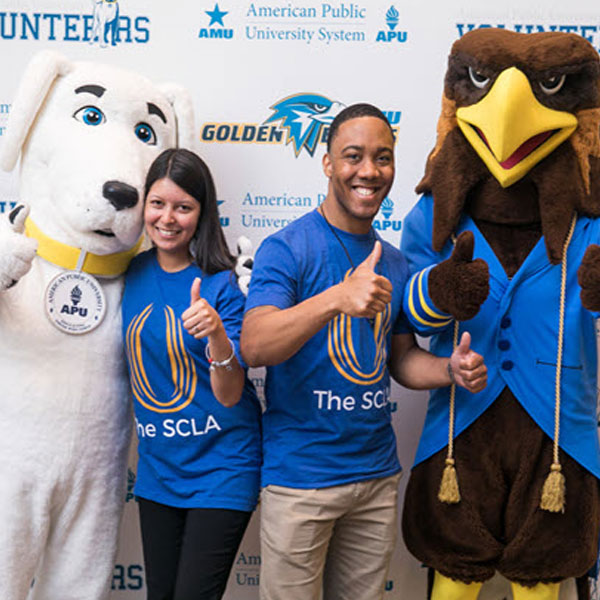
(328, 415)
(193, 451)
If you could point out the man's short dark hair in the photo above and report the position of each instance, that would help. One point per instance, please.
(354, 111)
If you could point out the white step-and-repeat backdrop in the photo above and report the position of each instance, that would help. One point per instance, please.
(240, 60)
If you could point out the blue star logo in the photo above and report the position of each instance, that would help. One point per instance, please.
(216, 15)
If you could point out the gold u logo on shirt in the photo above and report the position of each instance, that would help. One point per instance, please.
(341, 347)
(183, 369)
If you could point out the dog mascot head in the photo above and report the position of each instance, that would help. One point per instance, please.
(87, 134)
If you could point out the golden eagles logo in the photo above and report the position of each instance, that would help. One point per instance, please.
(183, 369)
(340, 347)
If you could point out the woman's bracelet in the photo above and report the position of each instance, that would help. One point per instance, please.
(226, 364)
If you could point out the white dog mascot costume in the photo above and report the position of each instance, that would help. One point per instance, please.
(87, 134)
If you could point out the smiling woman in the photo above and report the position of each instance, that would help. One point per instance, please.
(197, 415)
(171, 217)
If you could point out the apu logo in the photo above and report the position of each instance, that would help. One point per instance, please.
(76, 295)
(130, 485)
(105, 25)
(223, 220)
(392, 16)
(386, 224)
(216, 18)
(387, 208)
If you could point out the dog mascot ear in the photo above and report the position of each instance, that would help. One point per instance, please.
(181, 101)
(39, 76)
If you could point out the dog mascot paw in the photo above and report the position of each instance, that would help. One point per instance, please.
(17, 251)
(516, 167)
(86, 134)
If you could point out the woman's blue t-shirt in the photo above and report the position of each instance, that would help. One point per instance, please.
(193, 451)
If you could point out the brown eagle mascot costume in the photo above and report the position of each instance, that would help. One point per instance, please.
(502, 244)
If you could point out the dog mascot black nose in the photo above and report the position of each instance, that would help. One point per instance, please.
(120, 195)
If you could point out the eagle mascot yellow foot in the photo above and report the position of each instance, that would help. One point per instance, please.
(541, 591)
(445, 588)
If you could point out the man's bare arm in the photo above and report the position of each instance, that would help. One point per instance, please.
(271, 335)
(415, 368)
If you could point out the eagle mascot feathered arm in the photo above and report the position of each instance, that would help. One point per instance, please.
(504, 238)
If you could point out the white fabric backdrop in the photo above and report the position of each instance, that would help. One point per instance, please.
(239, 59)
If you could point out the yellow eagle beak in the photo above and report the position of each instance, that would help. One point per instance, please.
(510, 130)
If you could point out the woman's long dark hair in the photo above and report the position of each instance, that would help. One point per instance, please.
(191, 174)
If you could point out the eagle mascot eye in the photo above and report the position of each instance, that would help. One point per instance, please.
(503, 244)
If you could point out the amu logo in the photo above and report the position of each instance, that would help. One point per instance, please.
(216, 18)
(341, 347)
(183, 368)
(392, 16)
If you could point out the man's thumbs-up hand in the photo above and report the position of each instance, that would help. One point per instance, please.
(466, 368)
(371, 261)
(365, 293)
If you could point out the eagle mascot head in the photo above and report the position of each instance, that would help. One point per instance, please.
(518, 142)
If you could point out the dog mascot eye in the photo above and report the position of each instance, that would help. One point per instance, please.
(90, 115)
(145, 133)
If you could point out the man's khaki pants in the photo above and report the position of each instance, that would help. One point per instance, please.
(338, 539)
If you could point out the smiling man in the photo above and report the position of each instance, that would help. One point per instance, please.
(324, 314)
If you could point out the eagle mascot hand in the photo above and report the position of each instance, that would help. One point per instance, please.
(503, 244)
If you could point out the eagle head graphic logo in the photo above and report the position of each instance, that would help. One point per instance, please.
(304, 116)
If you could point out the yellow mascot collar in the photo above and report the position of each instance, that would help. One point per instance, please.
(68, 257)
